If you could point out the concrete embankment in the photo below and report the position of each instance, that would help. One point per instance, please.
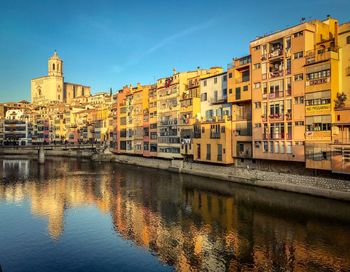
(312, 185)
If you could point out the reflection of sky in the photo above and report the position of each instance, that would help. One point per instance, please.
(88, 243)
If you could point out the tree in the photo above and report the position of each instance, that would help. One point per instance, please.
(340, 101)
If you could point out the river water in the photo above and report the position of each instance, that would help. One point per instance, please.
(76, 215)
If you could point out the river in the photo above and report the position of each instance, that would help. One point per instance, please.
(78, 215)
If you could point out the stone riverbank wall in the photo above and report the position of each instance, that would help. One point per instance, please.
(312, 185)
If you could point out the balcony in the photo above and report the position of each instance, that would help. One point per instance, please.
(276, 117)
(215, 100)
(276, 73)
(321, 55)
(276, 53)
(241, 80)
(289, 116)
(168, 122)
(318, 81)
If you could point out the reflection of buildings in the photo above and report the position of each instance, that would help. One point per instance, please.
(191, 223)
(19, 166)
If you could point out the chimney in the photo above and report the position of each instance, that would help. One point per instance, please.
(174, 71)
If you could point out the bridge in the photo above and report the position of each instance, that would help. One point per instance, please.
(69, 150)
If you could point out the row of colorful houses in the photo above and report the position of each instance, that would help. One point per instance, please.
(285, 101)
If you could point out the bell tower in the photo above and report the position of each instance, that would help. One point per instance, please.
(55, 65)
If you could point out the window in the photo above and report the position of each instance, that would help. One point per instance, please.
(238, 93)
(318, 98)
(299, 123)
(299, 100)
(318, 123)
(215, 80)
(224, 92)
(257, 85)
(298, 77)
(204, 97)
(208, 152)
(205, 83)
(298, 34)
(230, 91)
(245, 88)
(319, 74)
(203, 129)
(257, 66)
(224, 78)
(230, 75)
(53, 67)
(256, 47)
(257, 105)
(289, 147)
(348, 39)
(266, 146)
(298, 55)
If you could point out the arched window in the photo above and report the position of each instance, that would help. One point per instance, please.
(53, 66)
(348, 39)
(58, 67)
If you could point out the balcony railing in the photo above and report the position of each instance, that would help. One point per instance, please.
(276, 53)
(168, 122)
(318, 81)
(276, 117)
(244, 79)
(274, 74)
(320, 55)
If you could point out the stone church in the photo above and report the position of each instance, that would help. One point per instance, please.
(52, 88)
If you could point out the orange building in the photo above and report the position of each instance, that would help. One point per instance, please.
(278, 90)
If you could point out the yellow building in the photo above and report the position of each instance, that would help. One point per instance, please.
(169, 91)
(321, 88)
(139, 104)
(152, 122)
(213, 133)
(240, 95)
(213, 141)
(53, 88)
(190, 108)
(341, 125)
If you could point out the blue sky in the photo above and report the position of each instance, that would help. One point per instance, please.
(112, 43)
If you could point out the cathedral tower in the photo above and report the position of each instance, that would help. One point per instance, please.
(55, 66)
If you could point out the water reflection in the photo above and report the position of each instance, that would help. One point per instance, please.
(190, 223)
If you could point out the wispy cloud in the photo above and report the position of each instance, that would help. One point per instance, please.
(168, 40)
